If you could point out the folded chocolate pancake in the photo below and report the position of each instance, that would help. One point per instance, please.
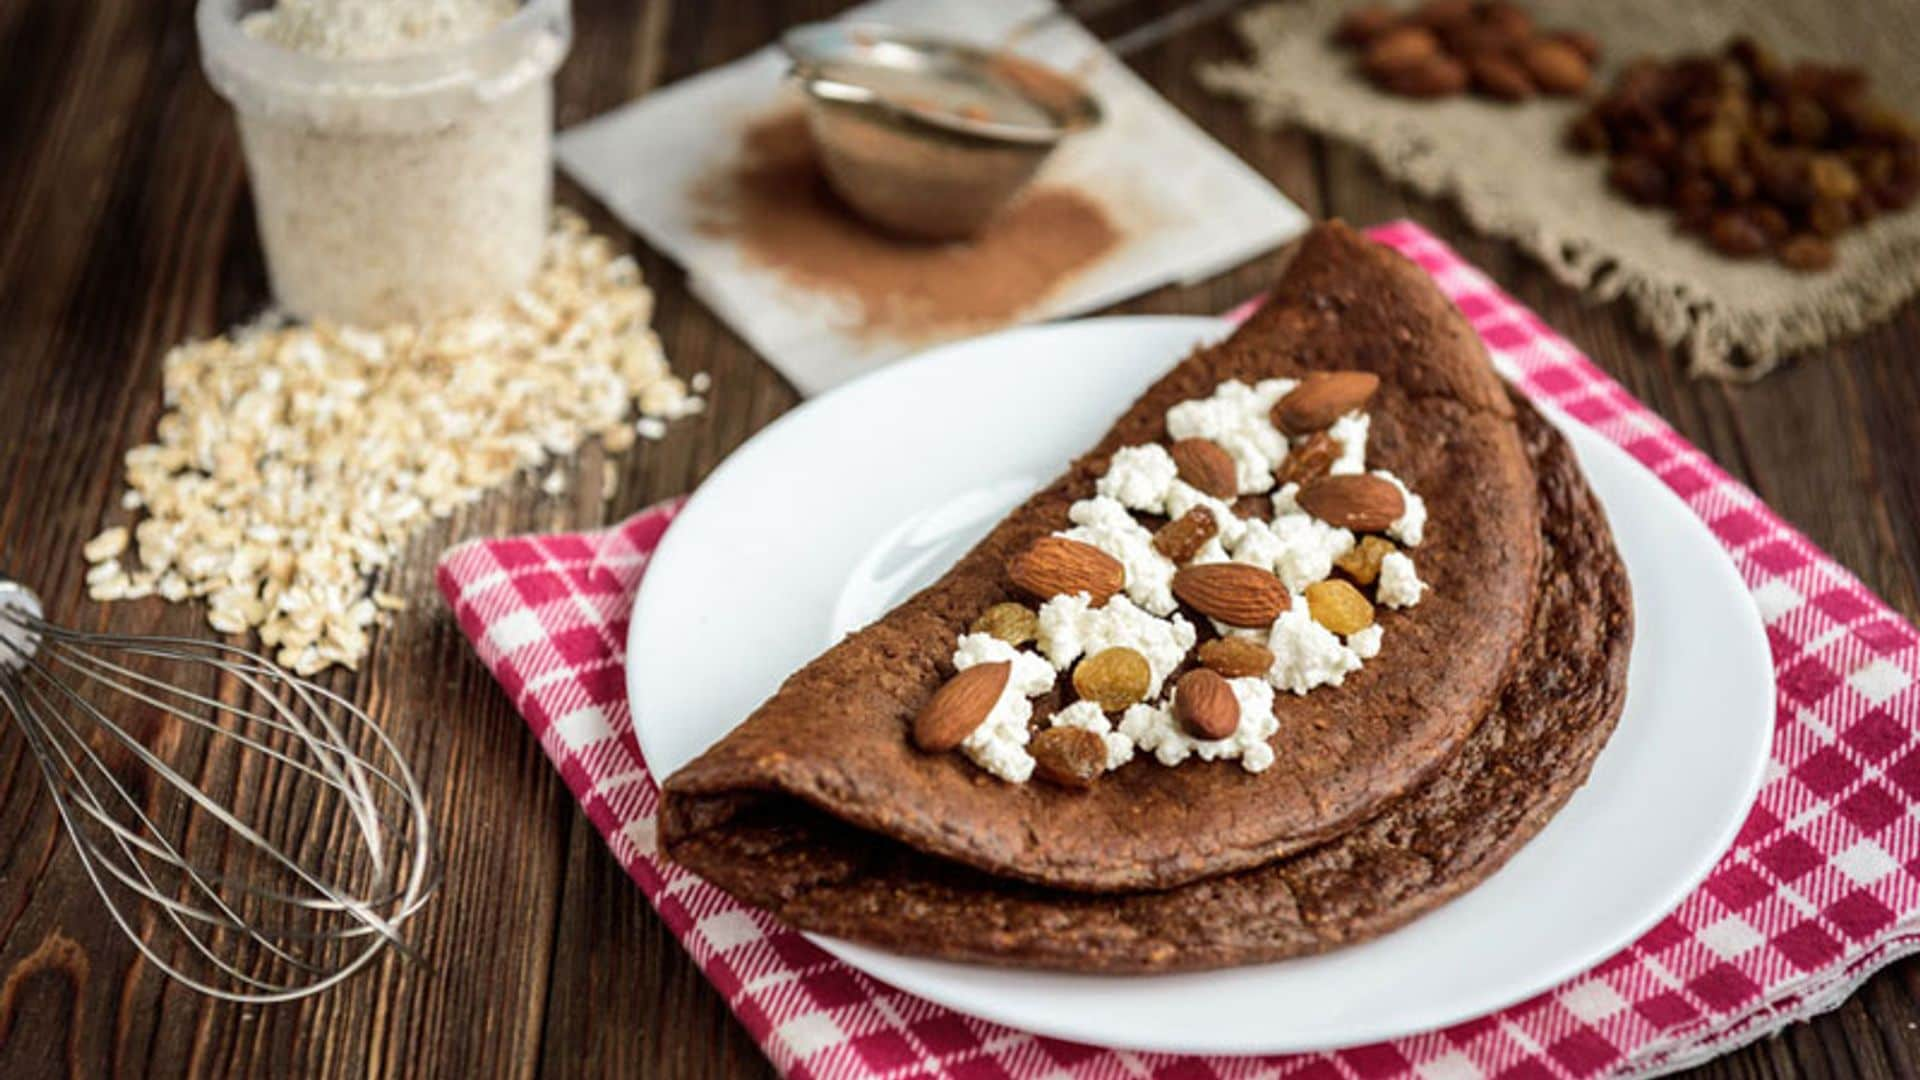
(1516, 769)
(835, 737)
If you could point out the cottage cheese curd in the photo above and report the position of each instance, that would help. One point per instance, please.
(1070, 627)
(1350, 432)
(1105, 523)
(1411, 527)
(1306, 654)
(1154, 729)
(1400, 585)
(1138, 477)
(1235, 416)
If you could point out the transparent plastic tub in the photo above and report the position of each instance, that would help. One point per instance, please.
(395, 189)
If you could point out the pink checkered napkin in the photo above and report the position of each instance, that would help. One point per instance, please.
(1822, 886)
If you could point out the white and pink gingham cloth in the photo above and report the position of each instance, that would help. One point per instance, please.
(1821, 888)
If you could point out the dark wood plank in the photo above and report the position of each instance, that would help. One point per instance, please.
(129, 229)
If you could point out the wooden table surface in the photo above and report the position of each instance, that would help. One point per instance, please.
(125, 226)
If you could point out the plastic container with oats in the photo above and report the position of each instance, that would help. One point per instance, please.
(400, 151)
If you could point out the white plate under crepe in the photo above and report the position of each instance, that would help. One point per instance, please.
(858, 498)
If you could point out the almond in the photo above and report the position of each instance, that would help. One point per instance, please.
(1360, 503)
(1321, 398)
(1556, 66)
(1236, 657)
(1204, 704)
(1069, 756)
(1500, 77)
(1434, 77)
(1401, 49)
(1056, 566)
(960, 706)
(1234, 593)
(1182, 538)
(1361, 25)
(1113, 678)
(1207, 467)
(1338, 606)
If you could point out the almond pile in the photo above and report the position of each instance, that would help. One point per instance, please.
(1239, 592)
(1755, 157)
(1446, 47)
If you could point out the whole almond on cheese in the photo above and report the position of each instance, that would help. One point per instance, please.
(1236, 657)
(1207, 467)
(960, 706)
(1358, 502)
(1321, 398)
(1056, 566)
(1234, 593)
(1182, 538)
(1556, 66)
(1310, 459)
(1069, 756)
(1204, 704)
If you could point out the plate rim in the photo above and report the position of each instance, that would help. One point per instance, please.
(1585, 440)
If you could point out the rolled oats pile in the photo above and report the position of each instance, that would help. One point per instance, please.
(294, 463)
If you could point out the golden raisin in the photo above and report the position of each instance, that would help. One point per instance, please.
(1113, 678)
(1015, 624)
(1338, 606)
(1362, 561)
(1069, 756)
(1236, 657)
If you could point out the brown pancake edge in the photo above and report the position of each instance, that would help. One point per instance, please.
(1536, 746)
(834, 736)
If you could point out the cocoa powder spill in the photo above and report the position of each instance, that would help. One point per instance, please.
(773, 201)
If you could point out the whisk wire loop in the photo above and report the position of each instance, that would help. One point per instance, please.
(255, 921)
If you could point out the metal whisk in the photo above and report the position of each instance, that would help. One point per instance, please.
(285, 865)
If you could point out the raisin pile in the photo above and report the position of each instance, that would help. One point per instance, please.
(1757, 157)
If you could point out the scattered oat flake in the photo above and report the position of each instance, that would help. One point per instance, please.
(294, 463)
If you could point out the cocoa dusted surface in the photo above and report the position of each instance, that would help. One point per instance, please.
(835, 735)
(1518, 767)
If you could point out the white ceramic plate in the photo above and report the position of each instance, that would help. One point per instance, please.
(850, 503)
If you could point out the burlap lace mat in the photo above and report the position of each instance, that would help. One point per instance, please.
(1506, 166)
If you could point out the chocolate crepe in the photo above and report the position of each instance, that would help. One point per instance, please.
(833, 737)
(1533, 749)
(1408, 783)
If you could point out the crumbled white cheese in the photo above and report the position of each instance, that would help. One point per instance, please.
(1350, 432)
(1182, 497)
(1138, 477)
(999, 744)
(1104, 523)
(1236, 418)
(1298, 548)
(1400, 585)
(1306, 654)
(1087, 716)
(1365, 643)
(1286, 499)
(1030, 675)
(1412, 524)
(1070, 626)
(1153, 728)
